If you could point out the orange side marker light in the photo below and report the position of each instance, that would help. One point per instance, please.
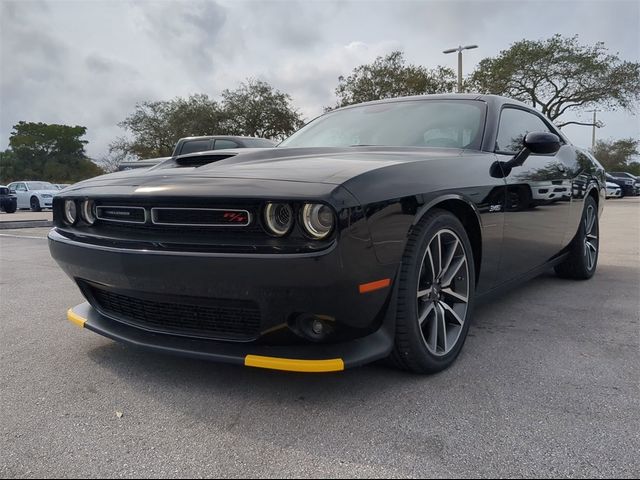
(372, 286)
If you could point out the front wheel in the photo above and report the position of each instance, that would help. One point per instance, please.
(35, 204)
(435, 295)
(10, 208)
(583, 251)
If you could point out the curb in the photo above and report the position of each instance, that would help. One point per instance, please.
(25, 224)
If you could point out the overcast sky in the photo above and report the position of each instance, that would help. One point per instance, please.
(89, 62)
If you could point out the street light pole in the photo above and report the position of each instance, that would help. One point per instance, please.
(593, 133)
(459, 50)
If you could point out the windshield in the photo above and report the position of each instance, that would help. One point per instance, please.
(414, 123)
(41, 186)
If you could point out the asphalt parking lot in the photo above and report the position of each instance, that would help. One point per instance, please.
(548, 385)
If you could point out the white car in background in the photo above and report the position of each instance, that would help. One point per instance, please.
(613, 190)
(34, 195)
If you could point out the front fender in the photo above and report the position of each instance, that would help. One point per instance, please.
(443, 198)
(390, 222)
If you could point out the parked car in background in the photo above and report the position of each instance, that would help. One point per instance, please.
(218, 142)
(146, 163)
(370, 232)
(201, 144)
(8, 200)
(613, 190)
(630, 184)
(618, 181)
(34, 195)
(61, 186)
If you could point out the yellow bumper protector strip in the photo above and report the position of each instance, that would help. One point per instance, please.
(76, 319)
(294, 365)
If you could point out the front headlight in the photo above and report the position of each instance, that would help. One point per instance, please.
(88, 211)
(46, 195)
(70, 211)
(278, 218)
(629, 182)
(318, 220)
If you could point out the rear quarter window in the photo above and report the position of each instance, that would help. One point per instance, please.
(224, 144)
(192, 146)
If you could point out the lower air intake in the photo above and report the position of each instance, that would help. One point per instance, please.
(218, 319)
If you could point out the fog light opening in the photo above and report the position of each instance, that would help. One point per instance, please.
(317, 327)
(312, 327)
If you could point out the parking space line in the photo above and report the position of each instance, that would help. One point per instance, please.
(21, 236)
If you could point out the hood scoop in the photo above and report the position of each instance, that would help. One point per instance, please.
(198, 160)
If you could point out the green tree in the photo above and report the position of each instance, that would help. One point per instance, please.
(256, 109)
(157, 126)
(389, 77)
(50, 152)
(118, 152)
(618, 155)
(559, 75)
(8, 167)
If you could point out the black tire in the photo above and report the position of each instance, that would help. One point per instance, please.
(35, 204)
(416, 343)
(11, 208)
(582, 261)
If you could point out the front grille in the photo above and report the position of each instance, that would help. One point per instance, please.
(121, 214)
(194, 217)
(220, 319)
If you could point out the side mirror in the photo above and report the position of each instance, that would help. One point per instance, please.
(538, 143)
(541, 143)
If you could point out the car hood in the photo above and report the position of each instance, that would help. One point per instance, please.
(311, 165)
(612, 185)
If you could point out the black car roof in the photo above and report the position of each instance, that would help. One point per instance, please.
(496, 100)
(222, 137)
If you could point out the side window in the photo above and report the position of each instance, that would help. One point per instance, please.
(20, 187)
(514, 125)
(192, 146)
(222, 144)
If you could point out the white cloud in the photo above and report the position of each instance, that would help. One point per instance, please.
(89, 63)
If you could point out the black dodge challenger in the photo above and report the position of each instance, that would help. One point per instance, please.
(369, 233)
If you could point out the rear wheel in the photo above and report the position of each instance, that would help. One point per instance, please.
(435, 296)
(35, 204)
(583, 252)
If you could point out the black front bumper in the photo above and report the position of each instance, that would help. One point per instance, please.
(283, 286)
(315, 358)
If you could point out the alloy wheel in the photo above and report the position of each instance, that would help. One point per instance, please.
(590, 237)
(443, 292)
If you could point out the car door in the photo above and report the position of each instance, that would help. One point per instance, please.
(538, 195)
(22, 194)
